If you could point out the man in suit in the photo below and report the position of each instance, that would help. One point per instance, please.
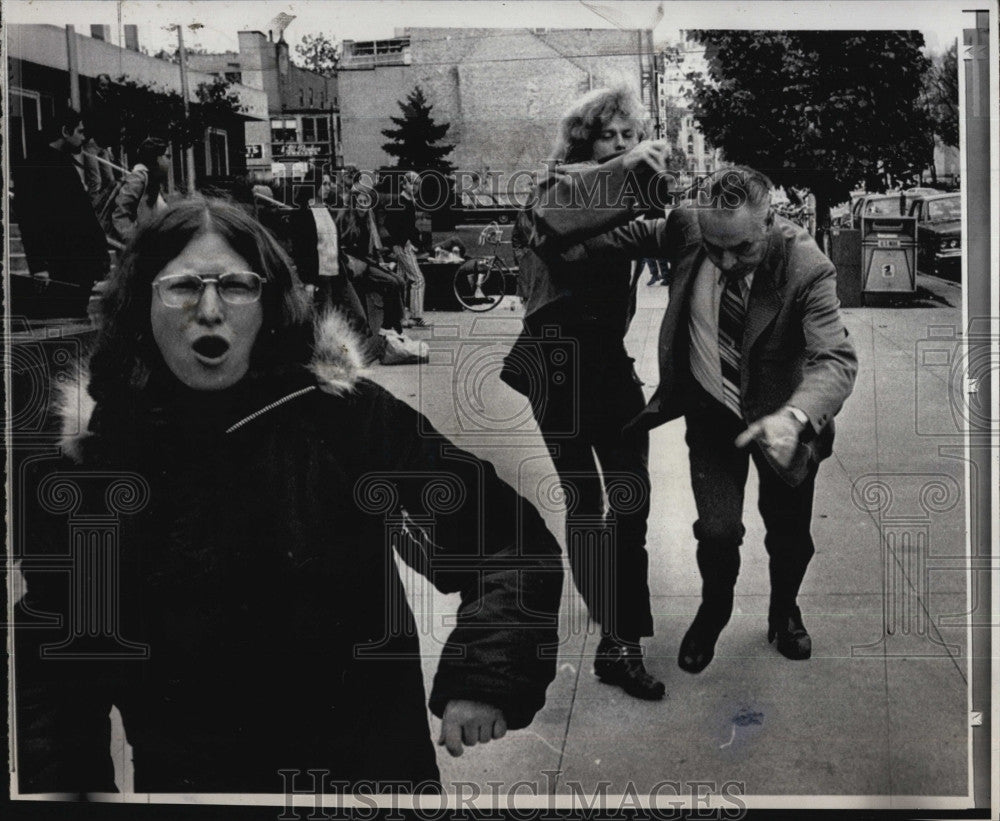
(63, 239)
(753, 355)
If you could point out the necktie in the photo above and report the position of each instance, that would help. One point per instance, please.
(732, 321)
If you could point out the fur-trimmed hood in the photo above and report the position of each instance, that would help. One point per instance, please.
(336, 363)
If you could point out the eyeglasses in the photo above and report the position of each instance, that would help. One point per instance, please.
(185, 290)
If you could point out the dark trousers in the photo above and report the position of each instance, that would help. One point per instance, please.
(383, 291)
(718, 478)
(390, 288)
(582, 426)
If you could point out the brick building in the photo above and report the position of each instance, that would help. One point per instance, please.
(302, 127)
(502, 90)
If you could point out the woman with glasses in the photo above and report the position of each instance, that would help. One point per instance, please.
(253, 629)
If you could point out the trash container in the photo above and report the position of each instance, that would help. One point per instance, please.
(845, 254)
(440, 293)
(889, 254)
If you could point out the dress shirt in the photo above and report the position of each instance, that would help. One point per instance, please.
(327, 251)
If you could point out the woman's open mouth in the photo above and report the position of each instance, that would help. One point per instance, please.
(210, 349)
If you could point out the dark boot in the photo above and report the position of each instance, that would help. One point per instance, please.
(719, 569)
(786, 626)
(620, 663)
(698, 645)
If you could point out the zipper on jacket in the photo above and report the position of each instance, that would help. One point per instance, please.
(256, 414)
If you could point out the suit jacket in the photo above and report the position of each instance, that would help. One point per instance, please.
(796, 350)
(59, 227)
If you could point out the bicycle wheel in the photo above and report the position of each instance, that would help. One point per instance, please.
(479, 285)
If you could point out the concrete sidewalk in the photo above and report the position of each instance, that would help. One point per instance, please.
(881, 708)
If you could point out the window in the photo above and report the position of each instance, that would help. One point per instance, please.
(216, 152)
(25, 121)
(234, 77)
(283, 131)
(311, 102)
(315, 130)
(302, 98)
(884, 207)
(946, 209)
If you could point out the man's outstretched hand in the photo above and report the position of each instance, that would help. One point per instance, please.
(777, 433)
(468, 722)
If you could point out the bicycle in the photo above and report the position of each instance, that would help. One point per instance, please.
(481, 284)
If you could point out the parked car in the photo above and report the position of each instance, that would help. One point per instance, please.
(875, 205)
(911, 194)
(480, 207)
(939, 234)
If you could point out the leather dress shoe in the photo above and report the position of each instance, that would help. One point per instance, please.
(793, 640)
(620, 663)
(698, 645)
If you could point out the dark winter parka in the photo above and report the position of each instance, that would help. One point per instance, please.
(256, 620)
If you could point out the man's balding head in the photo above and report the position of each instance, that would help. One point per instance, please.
(734, 214)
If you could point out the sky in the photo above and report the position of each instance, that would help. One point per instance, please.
(940, 20)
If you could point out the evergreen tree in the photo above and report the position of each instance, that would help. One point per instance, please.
(415, 142)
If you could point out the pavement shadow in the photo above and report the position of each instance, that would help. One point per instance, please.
(921, 298)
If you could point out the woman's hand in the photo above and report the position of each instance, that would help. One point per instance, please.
(650, 155)
(468, 722)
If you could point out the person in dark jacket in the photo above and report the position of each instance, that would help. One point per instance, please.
(253, 623)
(754, 355)
(572, 364)
(103, 121)
(63, 240)
(316, 251)
(400, 220)
(363, 253)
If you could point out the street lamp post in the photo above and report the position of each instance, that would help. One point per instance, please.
(182, 54)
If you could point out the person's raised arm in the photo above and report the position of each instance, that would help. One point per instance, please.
(579, 202)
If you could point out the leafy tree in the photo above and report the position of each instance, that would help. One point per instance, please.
(318, 53)
(415, 142)
(151, 110)
(823, 110)
(148, 110)
(941, 95)
(674, 116)
(217, 102)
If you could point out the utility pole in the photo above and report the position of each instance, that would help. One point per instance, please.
(73, 60)
(189, 151)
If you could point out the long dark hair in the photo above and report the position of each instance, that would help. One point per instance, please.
(126, 354)
(150, 151)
